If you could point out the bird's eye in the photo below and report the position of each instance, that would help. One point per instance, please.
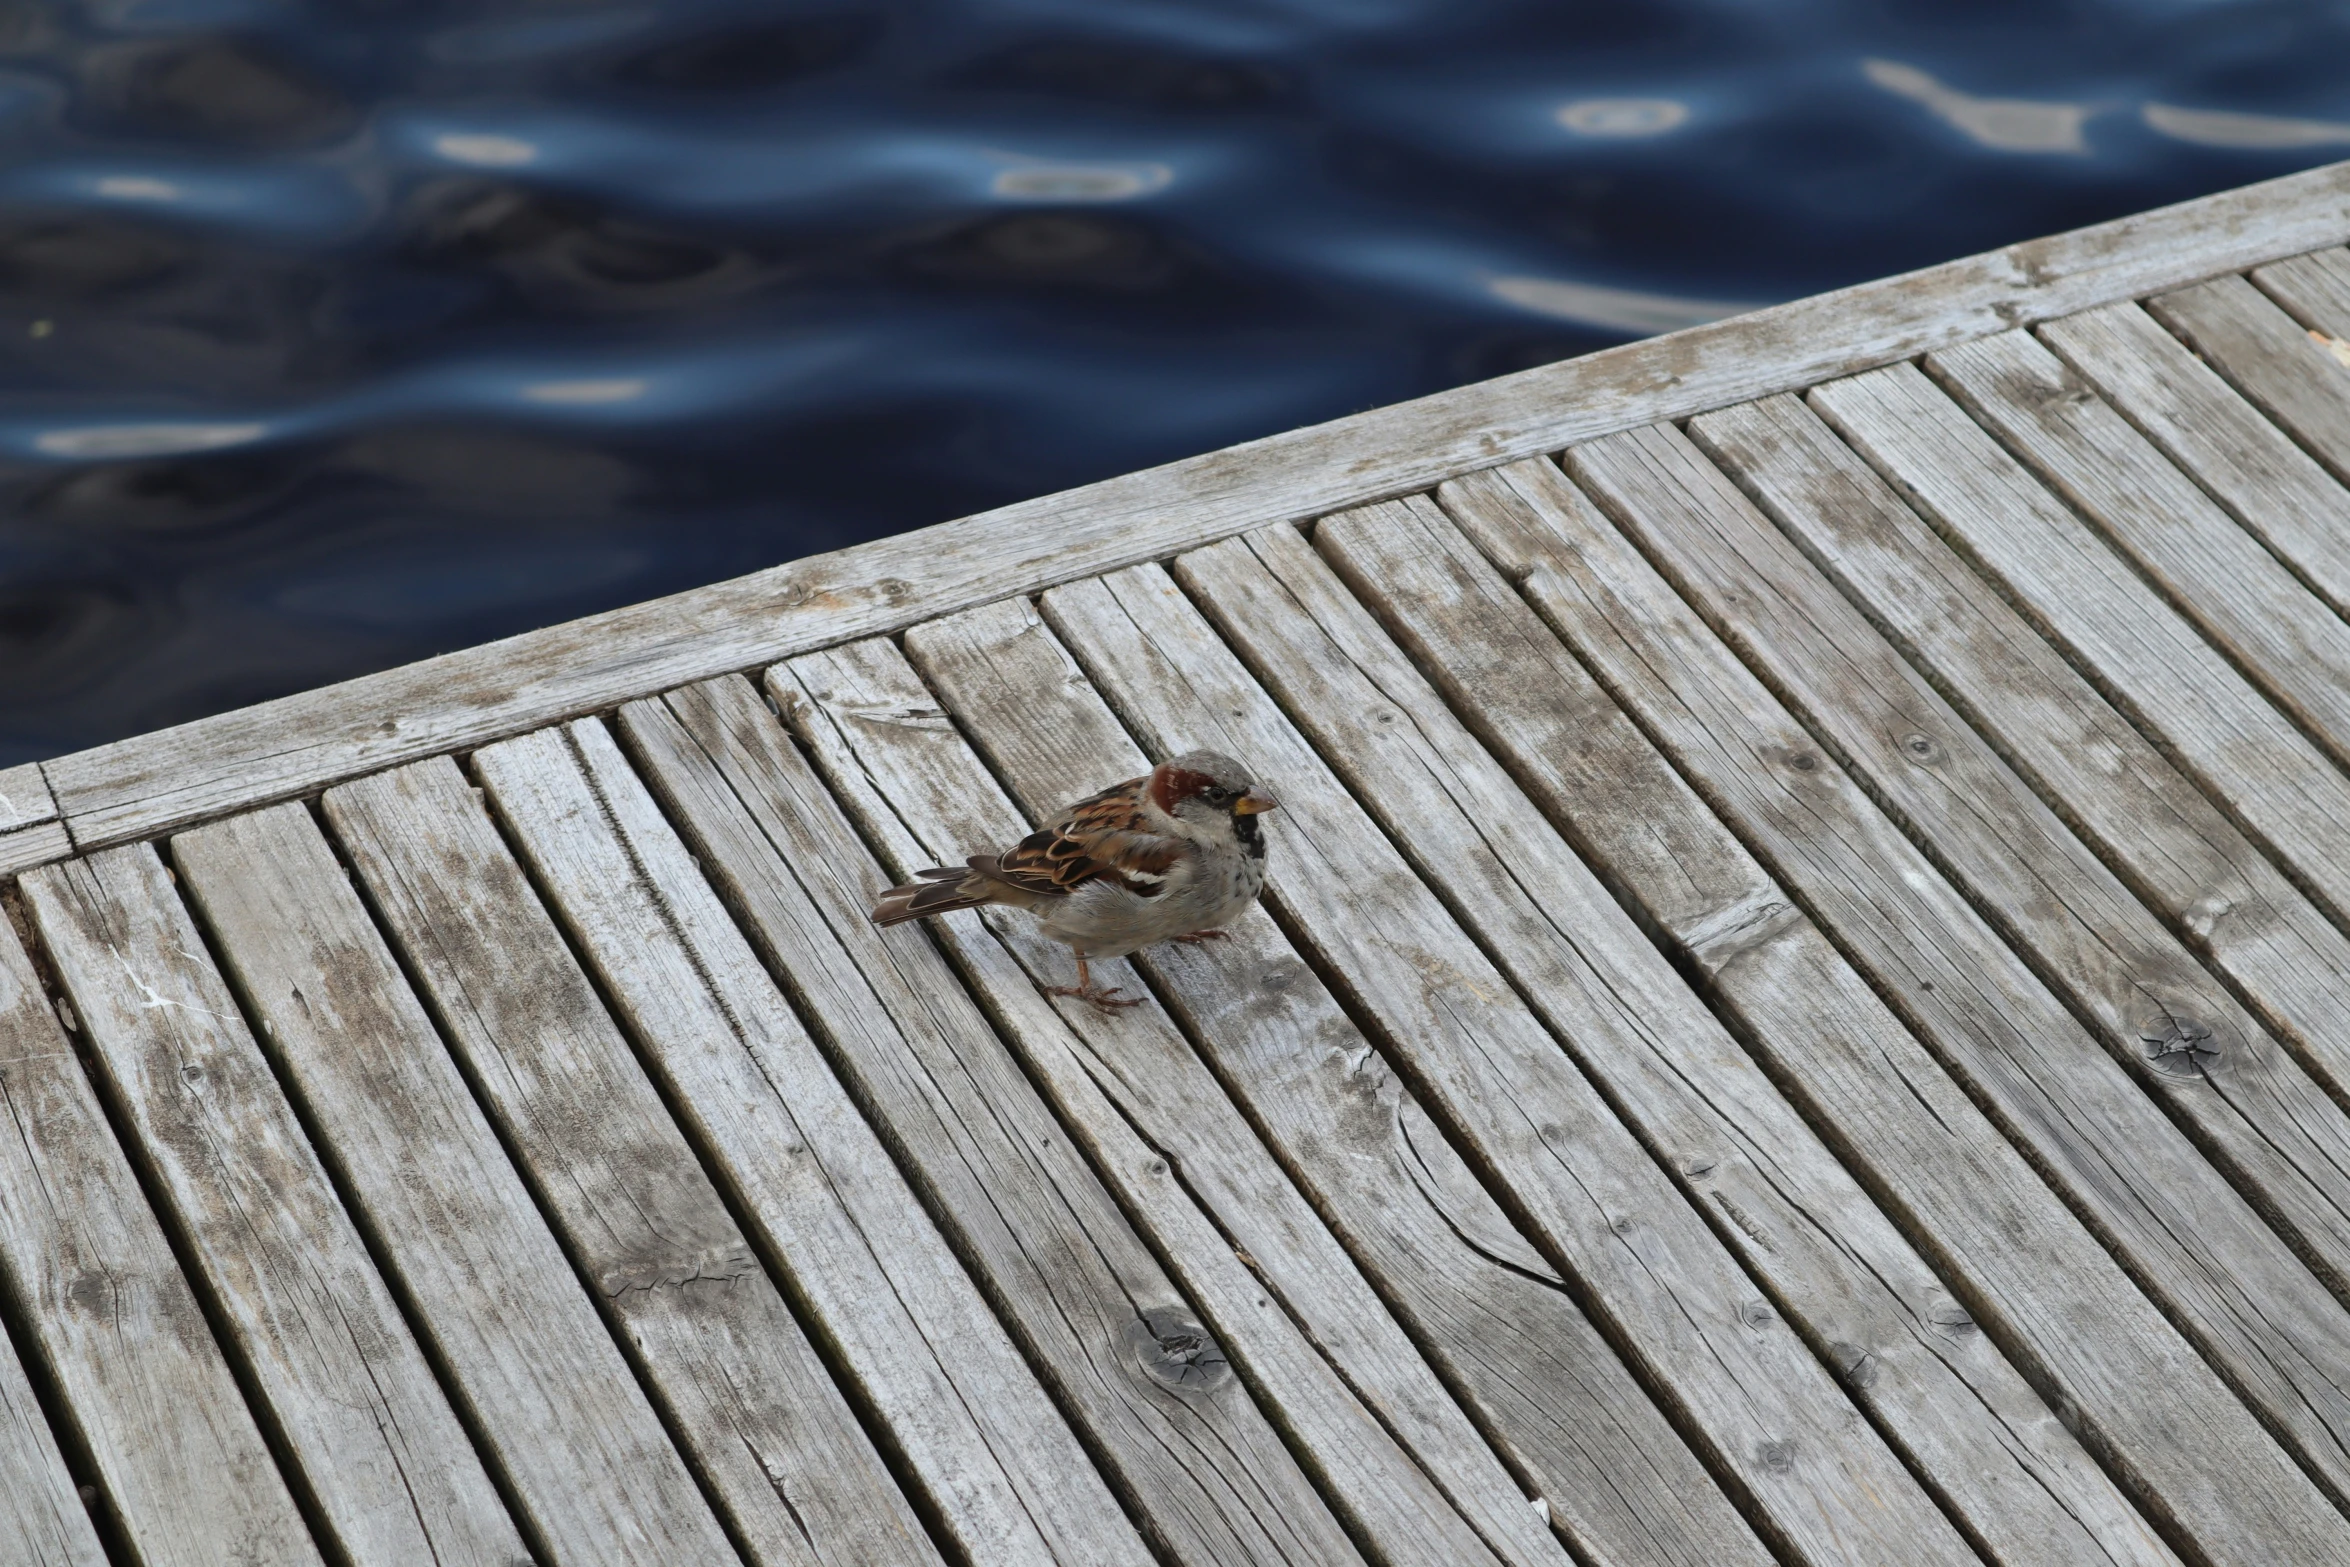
(1219, 794)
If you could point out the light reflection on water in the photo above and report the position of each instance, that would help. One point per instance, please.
(338, 337)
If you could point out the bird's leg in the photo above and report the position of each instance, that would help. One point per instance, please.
(1084, 990)
(1194, 937)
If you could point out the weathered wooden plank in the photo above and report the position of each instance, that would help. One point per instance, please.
(2201, 423)
(2219, 577)
(2314, 290)
(1837, 1265)
(745, 1394)
(2244, 1097)
(2145, 1191)
(181, 1468)
(2147, 819)
(1771, 1419)
(2173, 683)
(24, 797)
(1328, 1354)
(2043, 1286)
(818, 925)
(1195, 1451)
(2269, 357)
(277, 749)
(323, 1341)
(807, 1170)
(546, 1387)
(1935, 773)
(42, 1520)
(1482, 1300)
(42, 844)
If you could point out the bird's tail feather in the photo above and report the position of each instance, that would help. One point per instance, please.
(940, 890)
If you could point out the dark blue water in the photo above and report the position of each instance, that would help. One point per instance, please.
(341, 335)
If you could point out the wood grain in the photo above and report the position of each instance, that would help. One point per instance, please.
(321, 1336)
(743, 1390)
(1836, 1264)
(1192, 1447)
(2043, 1287)
(2288, 641)
(42, 1520)
(1613, 1475)
(42, 844)
(1767, 1414)
(2140, 653)
(2247, 1100)
(547, 1388)
(2145, 1190)
(156, 782)
(823, 1196)
(181, 1468)
(2269, 357)
(24, 798)
(2204, 425)
(2146, 818)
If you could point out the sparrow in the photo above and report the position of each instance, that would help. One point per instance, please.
(1168, 856)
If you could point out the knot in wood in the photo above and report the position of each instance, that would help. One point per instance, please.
(1854, 1364)
(1755, 1314)
(1950, 1316)
(1921, 748)
(2179, 1046)
(1803, 761)
(1776, 1456)
(1177, 1352)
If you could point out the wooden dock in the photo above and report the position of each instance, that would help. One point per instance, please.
(1802, 1012)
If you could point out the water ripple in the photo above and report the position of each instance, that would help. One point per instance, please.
(336, 336)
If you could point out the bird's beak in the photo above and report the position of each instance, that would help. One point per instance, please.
(1254, 801)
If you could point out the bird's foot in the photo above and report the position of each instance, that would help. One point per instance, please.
(1105, 998)
(1195, 937)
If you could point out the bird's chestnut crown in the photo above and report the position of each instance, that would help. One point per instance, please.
(1216, 781)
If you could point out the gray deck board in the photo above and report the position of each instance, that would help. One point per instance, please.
(750, 1400)
(1833, 1261)
(180, 1464)
(2269, 357)
(1775, 1424)
(1482, 1299)
(762, 1101)
(2146, 817)
(1464, 1512)
(1968, 1198)
(2051, 1085)
(343, 1376)
(1121, 1341)
(2288, 642)
(544, 1383)
(1795, 1018)
(2059, 907)
(2204, 425)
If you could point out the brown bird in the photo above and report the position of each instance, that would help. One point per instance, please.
(1168, 856)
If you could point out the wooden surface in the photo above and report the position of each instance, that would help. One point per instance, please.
(381, 1453)
(715, 1341)
(764, 1103)
(1601, 1208)
(215, 765)
(1080, 1285)
(176, 1460)
(1796, 1016)
(1803, 1224)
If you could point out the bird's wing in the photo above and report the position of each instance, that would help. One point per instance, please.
(1104, 837)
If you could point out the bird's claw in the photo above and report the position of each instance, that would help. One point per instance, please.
(1106, 999)
(1195, 937)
